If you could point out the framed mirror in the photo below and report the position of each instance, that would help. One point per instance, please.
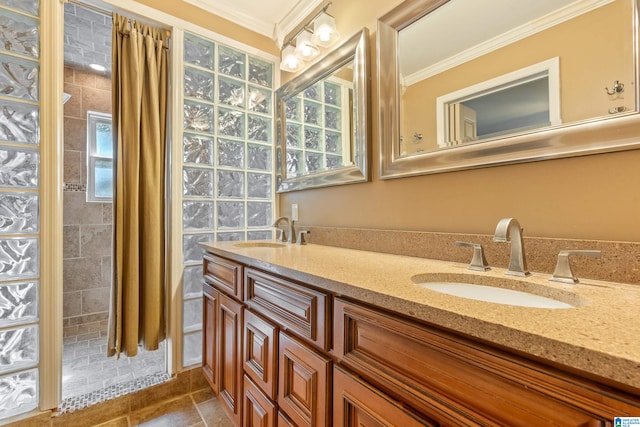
(466, 84)
(323, 121)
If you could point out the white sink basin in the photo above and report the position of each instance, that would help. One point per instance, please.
(495, 295)
(258, 245)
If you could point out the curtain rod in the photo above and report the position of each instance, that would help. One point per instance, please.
(91, 7)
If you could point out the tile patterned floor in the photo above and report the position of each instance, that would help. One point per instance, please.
(186, 400)
(87, 369)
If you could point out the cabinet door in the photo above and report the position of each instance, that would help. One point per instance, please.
(304, 384)
(210, 337)
(260, 353)
(357, 404)
(229, 360)
(259, 411)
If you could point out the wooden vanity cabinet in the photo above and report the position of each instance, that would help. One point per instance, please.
(458, 381)
(287, 328)
(291, 355)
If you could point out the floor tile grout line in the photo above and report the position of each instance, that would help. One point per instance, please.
(198, 410)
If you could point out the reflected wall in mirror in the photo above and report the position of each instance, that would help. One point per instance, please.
(465, 84)
(323, 121)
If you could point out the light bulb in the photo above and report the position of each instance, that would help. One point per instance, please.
(290, 61)
(305, 48)
(324, 30)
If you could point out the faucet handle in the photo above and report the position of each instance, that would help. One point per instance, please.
(478, 262)
(563, 272)
(301, 234)
(281, 236)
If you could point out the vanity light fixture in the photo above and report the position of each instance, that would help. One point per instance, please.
(290, 61)
(324, 30)
(306, 48)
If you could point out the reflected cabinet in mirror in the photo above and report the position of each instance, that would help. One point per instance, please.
(323, 121)
(466, 84)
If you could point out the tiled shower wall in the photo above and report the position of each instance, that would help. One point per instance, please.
(87, 225)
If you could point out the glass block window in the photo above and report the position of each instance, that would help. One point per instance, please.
(227, 162)
(99, 157)
(19, 206)
(317, 127)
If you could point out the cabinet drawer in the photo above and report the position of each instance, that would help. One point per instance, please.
(356, 404)
(223, 274)
(301, 310)
(260, 353)
(455, 380)
(304, 384)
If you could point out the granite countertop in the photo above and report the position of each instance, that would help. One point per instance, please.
(600, 336)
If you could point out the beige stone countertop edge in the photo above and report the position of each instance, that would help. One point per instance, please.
(600, 337)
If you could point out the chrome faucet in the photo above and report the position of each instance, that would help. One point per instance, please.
(509, 229)
(283, 234)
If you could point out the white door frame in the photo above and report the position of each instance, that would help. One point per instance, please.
(550, 66)
(51, 181)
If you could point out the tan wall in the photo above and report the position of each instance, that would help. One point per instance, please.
(589, 197)
(190, 13)
(595, 41)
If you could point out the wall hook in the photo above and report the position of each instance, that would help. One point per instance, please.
(617, 88)
(616, 110)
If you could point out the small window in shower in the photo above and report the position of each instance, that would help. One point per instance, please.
(99, 157)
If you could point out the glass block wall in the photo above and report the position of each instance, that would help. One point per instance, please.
(317, 127)
(227, 173)
(19, 205)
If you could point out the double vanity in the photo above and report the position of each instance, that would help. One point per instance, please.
(313, 335)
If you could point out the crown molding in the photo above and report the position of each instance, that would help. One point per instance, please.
(227, 10)
(292, 19)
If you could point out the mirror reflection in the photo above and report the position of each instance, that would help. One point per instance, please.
(323, 121)
(318, 124)
(487, 74)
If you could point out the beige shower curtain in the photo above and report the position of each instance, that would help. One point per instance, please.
(139, 76)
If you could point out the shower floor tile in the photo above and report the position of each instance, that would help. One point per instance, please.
(86, 367)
